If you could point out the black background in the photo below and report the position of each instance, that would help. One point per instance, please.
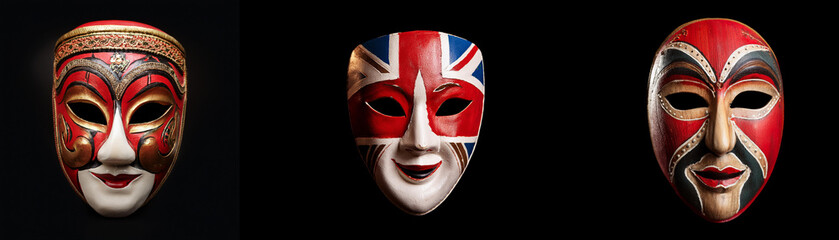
(199, 200)
(564, 146)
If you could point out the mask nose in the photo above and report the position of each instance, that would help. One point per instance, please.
(720, 137)
(116, 150)
(419, 137)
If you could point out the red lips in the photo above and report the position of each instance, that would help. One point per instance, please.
(713, 177)
(118, 181)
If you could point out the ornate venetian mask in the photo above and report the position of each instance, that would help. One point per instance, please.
(415, 103)
(716, 115)
(119, 94)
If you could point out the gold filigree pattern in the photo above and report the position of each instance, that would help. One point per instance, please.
(114, 40)
(118, 62)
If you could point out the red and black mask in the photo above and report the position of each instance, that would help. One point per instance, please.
(716, 115)
(119, 95)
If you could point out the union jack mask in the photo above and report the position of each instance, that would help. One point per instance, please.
(415, 103)
(716, 114)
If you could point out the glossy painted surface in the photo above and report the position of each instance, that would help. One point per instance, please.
(716, 114)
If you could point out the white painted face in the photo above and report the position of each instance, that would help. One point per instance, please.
(416, 102)
(420, 169)
(116, 188)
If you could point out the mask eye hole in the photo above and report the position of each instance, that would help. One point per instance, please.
(452, 106)
(387, 106)
(148, 112)
(686, 100)
(751, 100)
(88, 112)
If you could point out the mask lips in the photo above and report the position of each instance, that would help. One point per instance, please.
(418, 172)
(116, 181)
(715, 177)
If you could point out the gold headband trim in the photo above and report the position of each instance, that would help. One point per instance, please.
(115, 37)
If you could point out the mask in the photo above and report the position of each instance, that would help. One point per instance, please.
(716, 114)
(415, 104)
(119, 94)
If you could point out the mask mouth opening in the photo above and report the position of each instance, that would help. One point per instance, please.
(715, 178)
(418, 172)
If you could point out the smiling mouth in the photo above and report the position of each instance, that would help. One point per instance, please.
(418, 172)
(118, 181)
(715, 178)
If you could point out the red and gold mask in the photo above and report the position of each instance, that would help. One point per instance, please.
(119, 94)
(716, 115)
(415, 103)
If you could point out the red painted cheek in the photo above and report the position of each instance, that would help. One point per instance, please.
(366, 122)
(137, 88)
(464, 124)
(73, 129)
(766, 132)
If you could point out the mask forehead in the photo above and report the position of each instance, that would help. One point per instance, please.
(719, 47)
(448, 66)
(400, 56)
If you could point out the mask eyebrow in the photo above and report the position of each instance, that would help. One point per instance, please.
(684, 59)
(398, 88)
(145, 69)
(755, 66)
(88, 86)
(445, 85)
(95, 66)
(685, 68)
(147, 88)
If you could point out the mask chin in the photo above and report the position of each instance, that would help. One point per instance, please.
(110, 201)
(437, 174)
